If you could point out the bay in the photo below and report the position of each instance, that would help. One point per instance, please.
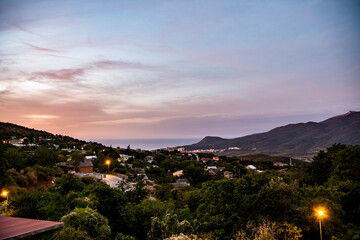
(147, 144)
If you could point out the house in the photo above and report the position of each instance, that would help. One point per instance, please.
(181, 182)
(250, 167)
(86, 166)
(16, 142)
(149, 159)
(205, 160)
(284, 170)
(124, 157)
(181, 149)
(178, 173)
(229, 175)
(216, 158)
(280, 164)
(212, 170)
(93, 157)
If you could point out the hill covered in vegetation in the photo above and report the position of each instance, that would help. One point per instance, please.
(293, 138)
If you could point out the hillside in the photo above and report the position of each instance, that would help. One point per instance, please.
(9, 130)
(300, 137)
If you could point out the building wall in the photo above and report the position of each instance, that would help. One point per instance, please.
(86, 169)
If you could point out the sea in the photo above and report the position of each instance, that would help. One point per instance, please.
(147, 144)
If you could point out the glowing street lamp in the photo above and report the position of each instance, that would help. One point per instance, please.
(5, 194)
(108, 163)
(320, 212)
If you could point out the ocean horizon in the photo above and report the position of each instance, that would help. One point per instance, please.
(147, 143)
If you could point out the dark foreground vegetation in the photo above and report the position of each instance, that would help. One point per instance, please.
(271, 204)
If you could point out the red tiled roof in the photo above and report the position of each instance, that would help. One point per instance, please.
(15, 228)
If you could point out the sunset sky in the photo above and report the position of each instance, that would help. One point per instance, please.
(176, 69)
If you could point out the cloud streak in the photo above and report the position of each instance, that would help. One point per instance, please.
(42, 49)
(63, 74)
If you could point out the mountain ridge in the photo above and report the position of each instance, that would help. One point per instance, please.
(297, 137)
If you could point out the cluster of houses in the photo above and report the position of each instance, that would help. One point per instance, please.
(87, 167)
(19, 142)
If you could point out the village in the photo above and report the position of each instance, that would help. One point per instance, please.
(126, 167)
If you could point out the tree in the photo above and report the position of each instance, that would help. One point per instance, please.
(67, 233)
(76, 158)
(194, 174)
(88, 220)
(108, 201)
(121, 236)
(138, 193)
(39, 205)
(136, 219)
(45, 156)
(15, 158)
(67, 183)
(168, 225)
(277, 201)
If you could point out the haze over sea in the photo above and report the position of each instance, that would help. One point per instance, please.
(147, 143)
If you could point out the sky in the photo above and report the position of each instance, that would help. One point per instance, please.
(176, 69)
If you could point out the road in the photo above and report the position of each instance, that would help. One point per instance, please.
(112, 180)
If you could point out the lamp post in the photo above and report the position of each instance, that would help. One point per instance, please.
(320, 214)
(108, 163)
(5, 194)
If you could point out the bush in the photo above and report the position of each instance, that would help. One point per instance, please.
(88, 220)
(71, 233)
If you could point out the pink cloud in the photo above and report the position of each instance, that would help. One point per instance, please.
(42, 49)
(25, 30)
(63, 74)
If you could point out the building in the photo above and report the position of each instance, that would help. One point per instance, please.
(181, 149)
(86, 166)
(250, 167)
(178, 173)
(181, 182)
(280, 164)
(216, 158)
(16, 228)
(212, 170)
(149, 159)
(124, 157)
(93, 157)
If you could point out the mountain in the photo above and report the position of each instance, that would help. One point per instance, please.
(300, 137)
(9, 130)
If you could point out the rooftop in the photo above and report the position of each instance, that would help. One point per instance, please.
(15, 228)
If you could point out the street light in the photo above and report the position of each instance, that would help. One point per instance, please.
(108, 163)
(320, 214)
(5, 193)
